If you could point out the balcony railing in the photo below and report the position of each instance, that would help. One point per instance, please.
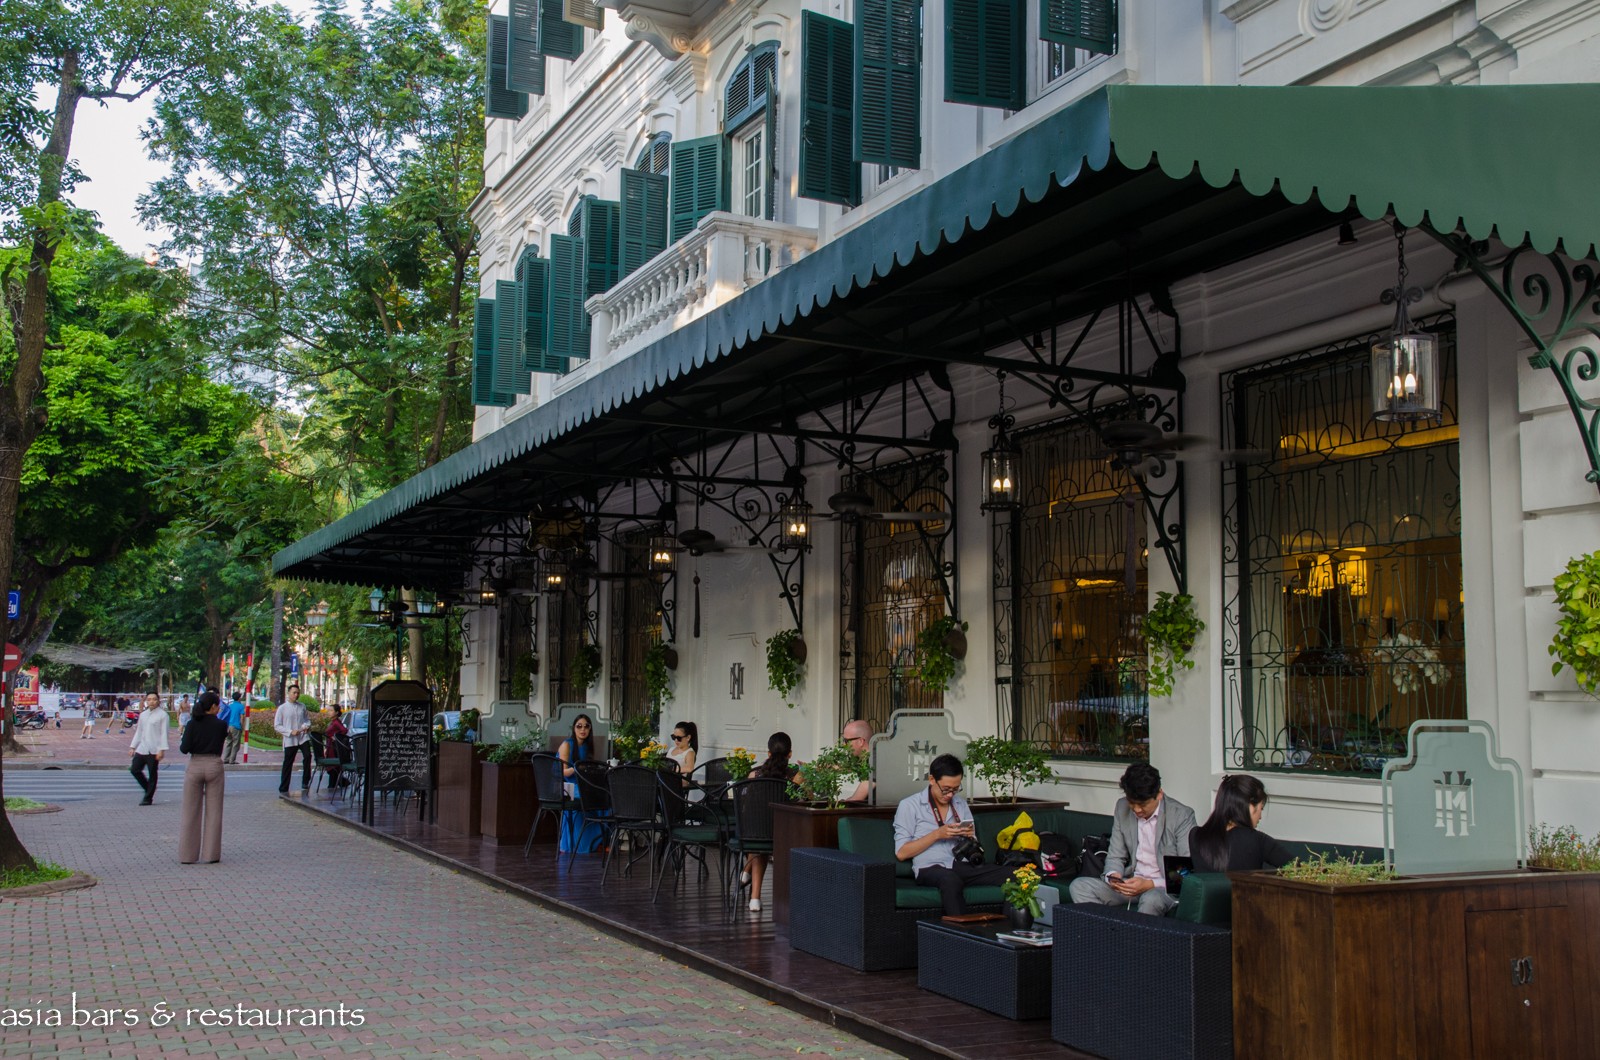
(725, 255)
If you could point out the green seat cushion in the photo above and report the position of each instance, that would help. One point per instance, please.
(695, 833)
(873, 839)
(909, 895)
(1206, 898)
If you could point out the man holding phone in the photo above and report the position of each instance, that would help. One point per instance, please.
(927, 828)
(1148, 826)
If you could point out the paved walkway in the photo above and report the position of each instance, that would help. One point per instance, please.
(304, 914)
(65, 746)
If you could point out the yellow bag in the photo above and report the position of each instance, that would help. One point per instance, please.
(1019, 835)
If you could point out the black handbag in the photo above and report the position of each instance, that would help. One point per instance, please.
(1092, 859)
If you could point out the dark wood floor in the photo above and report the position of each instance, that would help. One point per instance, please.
(689, 925)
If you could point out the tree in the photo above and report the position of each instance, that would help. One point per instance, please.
(98, 50)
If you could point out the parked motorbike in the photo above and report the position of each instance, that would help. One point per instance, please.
(30, 719)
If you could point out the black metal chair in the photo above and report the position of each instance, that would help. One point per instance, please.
(752, 825)
(551, 793)
(692, 828)
(331, 753)
(711, 776)
(357, 766)
(635, 806)
(594, 801)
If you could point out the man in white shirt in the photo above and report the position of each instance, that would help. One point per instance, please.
(149, 746)
(295, 728)
(857, 735)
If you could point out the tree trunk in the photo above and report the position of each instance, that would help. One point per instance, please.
(18, 423)
(414, 643)
(276, 692)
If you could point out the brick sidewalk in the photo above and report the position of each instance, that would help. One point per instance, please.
(437, 963)
(51, 746)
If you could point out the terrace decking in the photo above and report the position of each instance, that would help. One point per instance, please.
(689, 924)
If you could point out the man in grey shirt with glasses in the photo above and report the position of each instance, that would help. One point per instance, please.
(927, 828)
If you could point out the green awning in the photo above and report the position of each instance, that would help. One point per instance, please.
(1133, 184)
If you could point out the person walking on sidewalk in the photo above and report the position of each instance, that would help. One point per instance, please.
(233, 716)
(149, 746)
(88, 717)
(200, 828)
(183, 714)
(295, 728)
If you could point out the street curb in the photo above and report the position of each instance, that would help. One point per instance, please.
(48, 807)
(767, 990)
(76, 882)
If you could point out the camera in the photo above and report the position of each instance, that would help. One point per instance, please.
(969, 850)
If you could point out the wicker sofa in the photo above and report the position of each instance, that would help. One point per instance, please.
(859, 907)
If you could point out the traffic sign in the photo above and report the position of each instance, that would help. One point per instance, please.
(13, 657)
(14, 603)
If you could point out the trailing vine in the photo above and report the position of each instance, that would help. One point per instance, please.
(1577, 640)
(657, 675)
(1170, 629)
(935, 661)
(585, 667)
(785, 663)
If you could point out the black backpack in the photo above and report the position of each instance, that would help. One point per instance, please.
(1058, 854)
(1092, 860)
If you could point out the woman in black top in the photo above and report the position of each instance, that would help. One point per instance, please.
(1229, 841)
(776, 767)
(200, 829)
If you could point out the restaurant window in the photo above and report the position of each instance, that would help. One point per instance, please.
(569, 613)
(516, 643)
(895, 578)
(1070, 599)
(635, 624)
(1342, 567)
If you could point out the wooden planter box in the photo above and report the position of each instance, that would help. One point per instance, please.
(1486, 966)
(508, 802)
(460, 788)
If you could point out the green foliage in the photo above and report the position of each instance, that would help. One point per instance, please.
(1007, 766)
(629, 736)
(935, 663)
(657, 677)
(1170, 629)
(740, 762)
(512, 750)
(1021, 890)
(41, 872)
(17, 802)
(465, 730)
(1577, 640)
(1320, 868)
(523, 669)
(1562, 848)
(827, 777)
(784, 668)
(584, 669)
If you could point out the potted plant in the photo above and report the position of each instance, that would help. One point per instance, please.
(833, 771)
(1021, 894)
(524, 668)
(629, 737)
(786, 662)
(460, 777)
(653, 754)
(1006, 766)
(1577, 639)
(659, 661)
(1170, 628)
(1562, 849)
(585, 668)
(740, 763)
(940, 647)
(508, 797)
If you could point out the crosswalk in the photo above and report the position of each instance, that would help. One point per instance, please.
(81, 785)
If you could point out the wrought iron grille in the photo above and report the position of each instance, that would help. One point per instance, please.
(635, 625)
(1070, 599)
(895, 580)
(516, 644)
(570, 616)
(1342, 616)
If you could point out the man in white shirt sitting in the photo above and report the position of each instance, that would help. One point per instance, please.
(295, 728)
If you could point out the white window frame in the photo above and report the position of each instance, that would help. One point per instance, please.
(752, 133)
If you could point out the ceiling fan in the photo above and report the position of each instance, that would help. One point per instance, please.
(853, 504)
(1137, 447)
(698, 542)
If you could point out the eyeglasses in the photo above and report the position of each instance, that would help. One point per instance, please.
(851, 739)
(947, 791)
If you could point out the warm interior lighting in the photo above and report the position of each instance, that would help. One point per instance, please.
(662, 554)
(1405, 363)
(794, 526)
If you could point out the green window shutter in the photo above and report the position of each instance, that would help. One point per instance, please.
(887, 124)
(1087, 24)
(642, 220)
(601, 221)
(483, 391)
(984, 61)
(524, 64)
(558, 38)
(533, 274)
(510, 369)
(568, 323)
(699, 182)
(500, 101)
(828, 170)
(584, 13)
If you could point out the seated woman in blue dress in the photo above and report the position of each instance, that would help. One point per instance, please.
(579, 747)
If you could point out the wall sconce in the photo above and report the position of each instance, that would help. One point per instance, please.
(555, 581)
(663, 556)
(794, 527)
(1002, 462)
(1405, 364)
(318, 614)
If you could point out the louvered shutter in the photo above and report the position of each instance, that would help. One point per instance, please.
(584, 13)
(533, 274)
(500, 101)
(661, 156)
(524, 64)
(888, 111)
(601, 219)
(642, 224)
(510, 365)
(827, 93)
(483, 391)
(984, 61)
(771, 138)
(1087, 24)
(699, 182)
(558, 38)
(568, 323)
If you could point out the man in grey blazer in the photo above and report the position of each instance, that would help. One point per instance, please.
(1148, 825)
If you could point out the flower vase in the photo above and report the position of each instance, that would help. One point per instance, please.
(1018, 919)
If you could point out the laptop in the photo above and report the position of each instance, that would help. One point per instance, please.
(1176, 866)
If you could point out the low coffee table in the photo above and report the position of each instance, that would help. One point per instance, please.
(966, 962)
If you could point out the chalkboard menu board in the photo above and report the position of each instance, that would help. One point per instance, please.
(400, 737)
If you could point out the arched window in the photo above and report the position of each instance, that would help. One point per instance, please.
(750, 124)
(656, 157)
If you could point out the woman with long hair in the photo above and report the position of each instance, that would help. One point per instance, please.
(200, 828)
(577, 747)
(685, 746)
(1231, 840)
(776, 767)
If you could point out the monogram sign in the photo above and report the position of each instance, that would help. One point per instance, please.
(1452, 804)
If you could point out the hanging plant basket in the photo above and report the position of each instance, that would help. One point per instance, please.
(940, 647)
(786, 660)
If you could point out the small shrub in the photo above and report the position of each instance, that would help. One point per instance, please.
(1321, 868)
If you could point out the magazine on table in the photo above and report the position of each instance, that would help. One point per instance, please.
(1025, 937)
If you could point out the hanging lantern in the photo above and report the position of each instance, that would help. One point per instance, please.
(1002, 462)
(1405, 363)
(795, 526)
(663, 556)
